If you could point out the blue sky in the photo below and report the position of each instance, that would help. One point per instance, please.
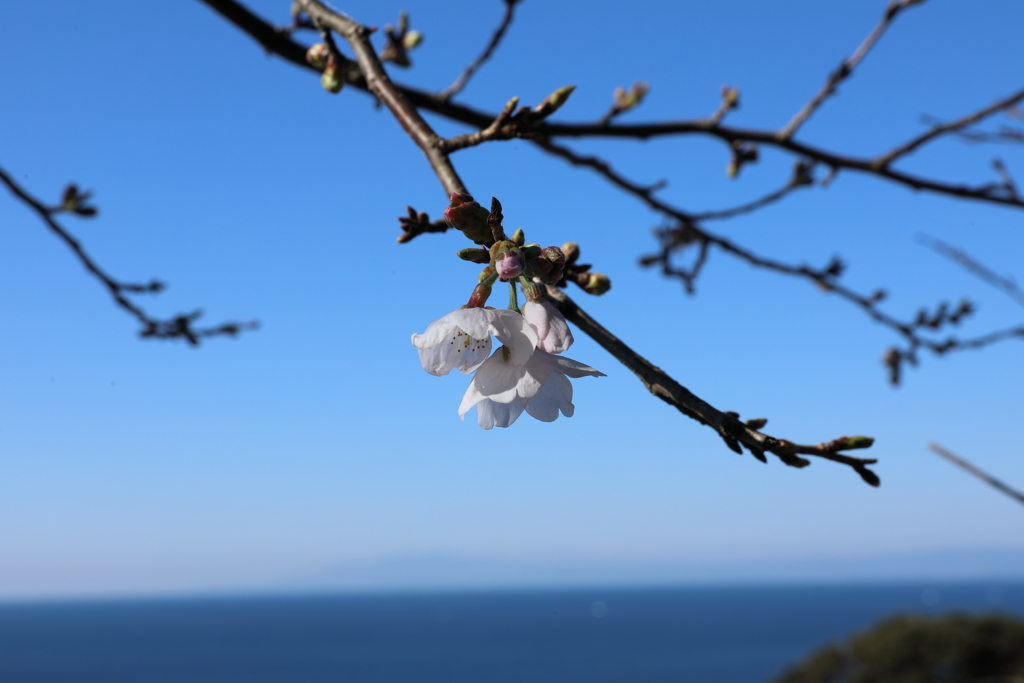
(144, 467)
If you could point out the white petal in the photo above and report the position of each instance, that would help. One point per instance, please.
(534, 374)
(492, 414)
(553, 334)
(436, 332)
(574, 368)
(515, 332)
(555, 395)
(470, 399)
(497, 379)
(474, 321)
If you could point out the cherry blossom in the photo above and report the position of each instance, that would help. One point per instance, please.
(462, 339)
(501, 390)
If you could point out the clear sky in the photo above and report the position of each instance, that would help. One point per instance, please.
(318, 441)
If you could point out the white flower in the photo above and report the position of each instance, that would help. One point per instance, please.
(553, 333)
(501, 390)
(462, 339)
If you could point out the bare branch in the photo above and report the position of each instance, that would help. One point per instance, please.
(380, 85)
(734, 432)
(952, 126)
(499, 33)
(283, 45)
(985, 477)
(1008, 286)
(802, 177)
(846, 68)
(180, 326)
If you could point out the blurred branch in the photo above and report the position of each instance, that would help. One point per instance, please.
(499, 33)
(985, 477)
(952, 126)
(1008, 286)
(846, 68)
(180, 326)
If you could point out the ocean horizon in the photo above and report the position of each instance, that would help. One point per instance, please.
(644, 634)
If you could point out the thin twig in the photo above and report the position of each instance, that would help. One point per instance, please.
(801, 178)
(953, 126)
(846, 68)
(984, 476)
(1008, 286)
(180, 326)
(499, 33)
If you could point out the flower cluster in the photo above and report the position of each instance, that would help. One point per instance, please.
(525, 373)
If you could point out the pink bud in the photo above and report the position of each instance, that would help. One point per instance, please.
(509, 265)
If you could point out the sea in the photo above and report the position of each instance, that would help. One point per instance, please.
(722, 634)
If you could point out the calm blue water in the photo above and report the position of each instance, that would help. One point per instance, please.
(697, 635)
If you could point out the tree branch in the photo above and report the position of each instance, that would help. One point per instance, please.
(499, 33)
(846, 68)
(728, 426)
(180, 326)
(380, 85)
(984, 476)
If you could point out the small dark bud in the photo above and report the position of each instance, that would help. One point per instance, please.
(757, 423)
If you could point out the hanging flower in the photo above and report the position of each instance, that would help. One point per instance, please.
(501, 390)
(553, 334)
(462, 339)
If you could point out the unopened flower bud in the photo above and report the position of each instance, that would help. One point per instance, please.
(548, 265)
(474, 255)
(595, 283)
(468, 216)
(519, 237)
(331, 79)
(317, 55)
(508, 259)
(571, 251)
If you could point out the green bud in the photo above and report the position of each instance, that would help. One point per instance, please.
(317, 55)
(859, 441)
(474, 255)
(596, 283)
(330, 79)
(553, 101)
(571, 251)
(519, 237)
(412, 39)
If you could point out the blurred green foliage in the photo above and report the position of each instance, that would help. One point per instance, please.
(911, 649)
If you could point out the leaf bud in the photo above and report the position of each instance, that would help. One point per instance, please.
(553, 101)
(519, 237)
(468, 216)
(317, 55)
(331, 79)
(571, 251)
(474, 255)
(596, 283)
(412, 39)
